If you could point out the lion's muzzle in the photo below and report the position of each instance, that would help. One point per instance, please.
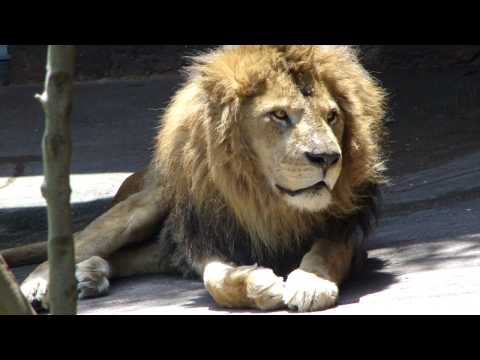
(325, 160)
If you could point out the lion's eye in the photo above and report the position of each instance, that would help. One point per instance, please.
(280, 115)
(332, 116)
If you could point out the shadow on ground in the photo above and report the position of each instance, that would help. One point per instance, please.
(25, 225)
(373, 279)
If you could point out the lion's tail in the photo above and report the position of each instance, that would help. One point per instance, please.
(26, 254)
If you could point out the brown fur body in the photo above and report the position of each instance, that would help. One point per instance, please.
(207, 199)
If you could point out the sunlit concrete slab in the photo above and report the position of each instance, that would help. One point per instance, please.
(85, 188)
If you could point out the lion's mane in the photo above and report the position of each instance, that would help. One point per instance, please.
(220, 203)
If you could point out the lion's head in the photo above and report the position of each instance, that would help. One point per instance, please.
(296, 131)
(283, 134)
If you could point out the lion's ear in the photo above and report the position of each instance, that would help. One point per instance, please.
(229, 75)
(359, 94)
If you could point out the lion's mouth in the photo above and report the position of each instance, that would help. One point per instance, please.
(311, 189)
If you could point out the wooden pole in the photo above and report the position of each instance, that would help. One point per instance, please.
(56, 146)
(12, 301)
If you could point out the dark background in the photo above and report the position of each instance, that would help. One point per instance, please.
(141, 61)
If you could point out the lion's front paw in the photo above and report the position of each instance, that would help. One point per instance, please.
(306, 292)
(92, 276)
(244, 286)
(266, 289)
(35, 290)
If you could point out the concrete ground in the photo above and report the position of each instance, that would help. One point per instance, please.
(423, 259)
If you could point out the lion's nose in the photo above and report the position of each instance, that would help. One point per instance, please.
(323, 159)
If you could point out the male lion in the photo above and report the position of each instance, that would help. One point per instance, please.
(266, 164)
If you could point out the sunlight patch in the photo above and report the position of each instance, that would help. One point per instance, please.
(24, 191)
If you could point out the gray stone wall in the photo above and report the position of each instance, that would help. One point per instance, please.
(102, 61)
(141, 61)
(428, 58)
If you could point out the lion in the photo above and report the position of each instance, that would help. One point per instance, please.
(264, 183)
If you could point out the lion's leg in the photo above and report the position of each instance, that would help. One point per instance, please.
(94, 274)
(131, 221)
(314, 285)
(243, 286)
(148, 258)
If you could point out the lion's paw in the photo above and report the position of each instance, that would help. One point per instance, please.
(35, 290)
(307, 292)
(92, 276)
(266, 289)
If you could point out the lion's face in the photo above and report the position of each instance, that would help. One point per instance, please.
(295, 130)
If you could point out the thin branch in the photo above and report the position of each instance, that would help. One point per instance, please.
(56, 146)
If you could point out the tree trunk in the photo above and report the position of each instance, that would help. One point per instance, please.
(56, 146)
(12, 301)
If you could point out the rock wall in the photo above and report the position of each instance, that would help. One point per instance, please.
(102, 61)
(141, 61)
(430, 58)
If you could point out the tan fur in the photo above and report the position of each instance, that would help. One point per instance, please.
(218, 149)
(244, 286)
(329, 260)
